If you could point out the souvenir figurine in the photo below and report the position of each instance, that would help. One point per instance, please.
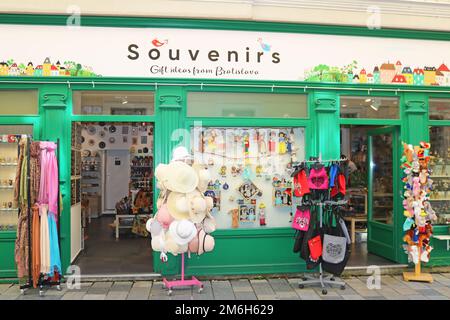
(278, 198)
(210, 162)
(223, 171)
(261, 144)
(234, 218)
(233, 171)
(259, 170)
(282, 143)
(272, 141)
(212, 141)
(262, 214)
(225, 186)
(290, 141)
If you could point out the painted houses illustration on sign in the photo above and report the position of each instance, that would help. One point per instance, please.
(386, 73)
(46, 69)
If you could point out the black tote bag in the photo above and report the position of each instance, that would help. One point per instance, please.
(335, 268)
(312, 232)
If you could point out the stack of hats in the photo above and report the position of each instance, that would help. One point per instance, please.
(418, 211)
(183, 222)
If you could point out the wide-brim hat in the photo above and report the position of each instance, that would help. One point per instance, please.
(197, 206)
(179, 177)
(206, 242)
(164, 217)
(180, 154)
(160, 174)
(178, 205)
(209, 225)
(204, 176)
(173, 247)
(182, 231)
(154, 227)
(158, 242)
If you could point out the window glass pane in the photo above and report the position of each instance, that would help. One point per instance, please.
(247, 105)
(439, 109)
(18, 102)
(244, 163)
(369, 107)
(9, 141)
(113, 102)
(440, 165)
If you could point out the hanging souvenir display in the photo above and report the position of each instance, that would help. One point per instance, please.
(248, 190)
(262, 214)
(223, 171)
(282, 191)
(213, 191)
(418, 211)
(234, 218)
(247, 210)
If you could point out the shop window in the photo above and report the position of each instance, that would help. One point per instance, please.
(247, 105)
(369, 107)
(18, 102)
(440, 165)
(113, 102)
(439, 109)
(249, 167)
(9, 139)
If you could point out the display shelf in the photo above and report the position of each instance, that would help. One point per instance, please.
(6, 187)
(13, 164)
(445, 199)
(9, 209)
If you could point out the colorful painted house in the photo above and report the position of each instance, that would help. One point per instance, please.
(429, 75)
(376, 75)
(440, 78)
(446, 72)
(355, 78)
(370, 78)
(363, 76)
(4, 69)
(387, 72)
(54, 72)
(407, 73)
(46, 67)
(29, 71)
(418, 77)
(398, 67)
(350, 76)
(14, 70)
(399, 79)
(62, 71)
(38, 71)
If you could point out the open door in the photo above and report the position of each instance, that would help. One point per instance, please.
(383, 195)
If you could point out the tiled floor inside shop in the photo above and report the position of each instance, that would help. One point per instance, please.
(104, 254)
(392, 288)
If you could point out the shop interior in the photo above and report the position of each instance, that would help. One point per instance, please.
(112, 195)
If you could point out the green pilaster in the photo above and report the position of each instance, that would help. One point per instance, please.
(326, 125)
(170, 114)
(53, 100)
(415, 117)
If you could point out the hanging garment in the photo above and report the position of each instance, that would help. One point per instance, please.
(318, 179)
(334, 170)
(301, 184)
(35, 170)
(18, 173)
(21, 254)
(55, 259)
(44, 240)
(339, 187)
(35, 244)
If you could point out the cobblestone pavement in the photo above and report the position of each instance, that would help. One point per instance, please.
(392, 288)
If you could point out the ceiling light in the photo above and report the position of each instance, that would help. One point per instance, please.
(344, 105)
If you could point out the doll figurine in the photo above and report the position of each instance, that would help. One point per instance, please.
(278, 199)
(290, 141)
(272, 141)
(416, 186)
(223, 171)
(282, 148)
(262, 214)
(234, 218)
(261, 144)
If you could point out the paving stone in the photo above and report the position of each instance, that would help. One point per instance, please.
(439, 278)
(375, 298)
(139, 293)
(327, 297)
(73, 295)
(89, 296)
(102, 284)
(116, 295)
(417, 297)
(158, 292)
(121, 286)
(142, 284)
(267, 297)
(352, 297)
(4, 287)
(438, 298)
(247, 295)
(443, 291)
(241, 285)
(222, 290)
(206, 294)
(428, 292)
(262, 288)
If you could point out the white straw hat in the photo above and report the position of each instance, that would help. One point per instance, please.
(204, 176)
(180, 154)
(197, 206)
(180, 177)
(182, 231)
(178, 205)
(173, 247)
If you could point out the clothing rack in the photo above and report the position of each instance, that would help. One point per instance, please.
(42, 282)
(321, 279)
(182, 282)
(331, 279)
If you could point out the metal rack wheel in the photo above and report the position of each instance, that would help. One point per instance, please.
(343, 287)
(304, 278)
(41, 293)
(169, 293)
(22, 291)
(200, 289)
(324, 291)
(301, 286)
(332, 279)
(58, 287)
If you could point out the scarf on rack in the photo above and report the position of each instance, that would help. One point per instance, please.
(48, 189)
(44, 241)
(17, 181)
(35, 170)
(21, 255)
(35, 244)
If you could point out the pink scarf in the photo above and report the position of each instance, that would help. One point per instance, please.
(48, 189)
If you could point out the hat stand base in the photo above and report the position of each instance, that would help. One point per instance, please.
(182, 282)
(322, 280)
(417, 275)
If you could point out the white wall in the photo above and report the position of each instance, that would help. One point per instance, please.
(412, 14)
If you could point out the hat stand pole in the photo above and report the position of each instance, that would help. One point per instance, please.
(182, 282)
(417, 275)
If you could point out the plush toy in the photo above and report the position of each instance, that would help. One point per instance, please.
(416, 186)
(408, 152)
(431, 214)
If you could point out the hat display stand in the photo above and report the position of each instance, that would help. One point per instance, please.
(418, 211)
(182, 282)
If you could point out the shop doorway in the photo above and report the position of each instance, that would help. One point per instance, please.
(112, 172)
(370, 214)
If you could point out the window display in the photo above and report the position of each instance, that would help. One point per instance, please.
(250, 170)
(9, 140)
(440, 165)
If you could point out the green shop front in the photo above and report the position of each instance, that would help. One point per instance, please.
(293, 91)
